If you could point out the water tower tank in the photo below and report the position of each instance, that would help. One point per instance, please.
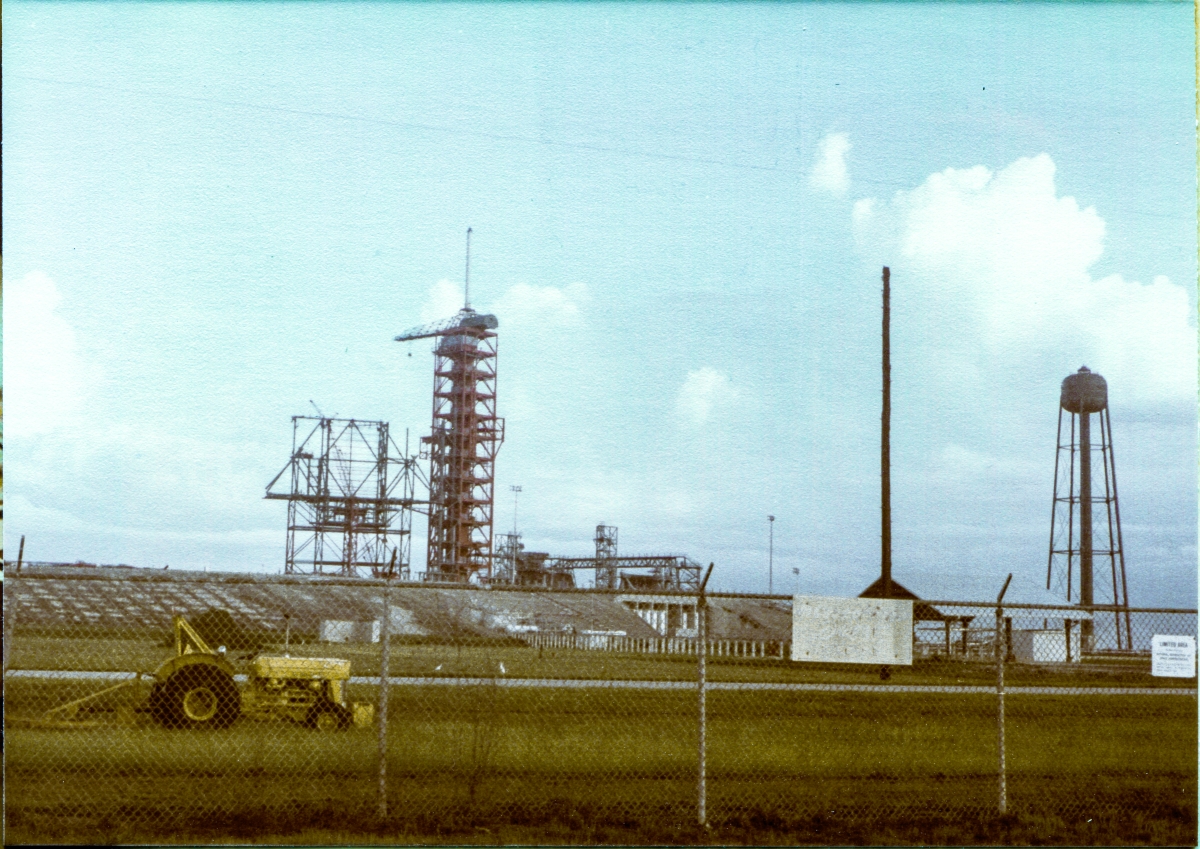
(1084, 392)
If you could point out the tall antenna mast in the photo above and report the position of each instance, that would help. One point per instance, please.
(467, 279)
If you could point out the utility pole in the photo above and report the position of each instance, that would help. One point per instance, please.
(885, 470)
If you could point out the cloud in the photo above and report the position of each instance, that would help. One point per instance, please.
(704, 390)
(540, 306)
(46, 379)
(991, 273)
(964, 465)
(829, 170)
(522, 304)
(445, 298)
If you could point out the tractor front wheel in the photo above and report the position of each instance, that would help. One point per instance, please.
(197, 697)
(329, 717)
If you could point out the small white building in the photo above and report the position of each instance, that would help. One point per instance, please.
(1051, 645)
(345, 631)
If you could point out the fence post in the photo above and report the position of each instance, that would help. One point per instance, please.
(383, 695)
(10, 609)
(702, 678)
(9, 615)
(1000, 659)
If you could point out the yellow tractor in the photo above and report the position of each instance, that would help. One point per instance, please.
(196, 688)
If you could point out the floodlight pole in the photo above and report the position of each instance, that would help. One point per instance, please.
(516, 491)
(702, 674)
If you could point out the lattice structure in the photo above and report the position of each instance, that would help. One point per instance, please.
(670, 572)
(639, 574)
(1077, 541)
(350, 498)
(606, 550)
(508, 547)
(462, 446)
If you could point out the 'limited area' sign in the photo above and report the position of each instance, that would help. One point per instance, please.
(852, 630)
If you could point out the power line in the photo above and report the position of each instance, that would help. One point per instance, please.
(415, 125)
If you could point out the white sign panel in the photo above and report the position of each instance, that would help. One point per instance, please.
(1173, 657)
(852, 630)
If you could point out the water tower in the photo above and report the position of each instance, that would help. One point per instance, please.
(1081, 541)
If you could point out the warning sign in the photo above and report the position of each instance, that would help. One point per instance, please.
(852, 630)
(1173, 657)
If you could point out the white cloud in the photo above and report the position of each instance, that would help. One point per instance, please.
(445, 298)
(955, 462)
(46, 380)
(540, 306)
(521, 304)
(829, 170)
(704, 390)
(862, 213)
(991, 274)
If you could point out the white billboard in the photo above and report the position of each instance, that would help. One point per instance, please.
(852, 630)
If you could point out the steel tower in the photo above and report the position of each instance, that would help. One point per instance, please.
(1077, 540)
(462, 445)
(465, 437)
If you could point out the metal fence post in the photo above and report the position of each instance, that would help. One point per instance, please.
(702, 678)
(8, 613)
(1000, 659)
(9, 616)
(386, 630)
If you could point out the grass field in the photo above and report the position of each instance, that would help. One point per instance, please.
(486, 763)
(493, 759)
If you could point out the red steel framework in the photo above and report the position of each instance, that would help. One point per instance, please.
(465, 437)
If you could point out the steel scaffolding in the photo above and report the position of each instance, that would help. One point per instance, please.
(350, 498)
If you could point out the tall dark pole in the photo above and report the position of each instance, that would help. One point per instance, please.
(771, 557)
(885, 458)
(1085, 508)
(1085, 527)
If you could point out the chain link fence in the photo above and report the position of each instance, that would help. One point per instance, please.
(150, 706)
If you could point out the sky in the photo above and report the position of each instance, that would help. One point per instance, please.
(217, 213)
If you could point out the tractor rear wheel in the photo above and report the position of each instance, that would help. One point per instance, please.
(197, 697)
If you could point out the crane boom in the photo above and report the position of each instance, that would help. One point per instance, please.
(466, 318)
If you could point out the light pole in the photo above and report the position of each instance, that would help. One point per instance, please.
(516, 491)
(771, 557)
